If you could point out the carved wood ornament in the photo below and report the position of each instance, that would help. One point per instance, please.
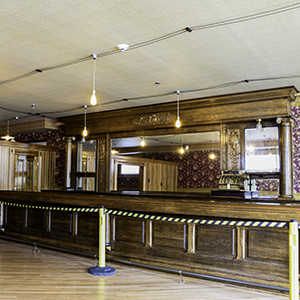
(101, 159)
(234, 151)
(151, 120)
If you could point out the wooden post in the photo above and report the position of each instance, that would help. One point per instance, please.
(286, 164)
(68, 163)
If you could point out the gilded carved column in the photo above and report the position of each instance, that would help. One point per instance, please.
(234, 150)
(68, 161)
(286, 160)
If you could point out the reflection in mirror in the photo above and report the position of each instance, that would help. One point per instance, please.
(86, 165)
(181, 162)
(261, 150)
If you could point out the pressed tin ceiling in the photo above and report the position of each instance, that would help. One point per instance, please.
(234, 46)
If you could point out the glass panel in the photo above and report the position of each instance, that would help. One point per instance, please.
(128, 169)
(86, 164)
(261, 148)
(19, 172)
(25, 173)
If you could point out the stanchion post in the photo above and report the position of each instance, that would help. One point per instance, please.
(102, 243)
(293, 260)
(102, 269)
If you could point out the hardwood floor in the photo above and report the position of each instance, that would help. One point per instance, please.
(54, 275)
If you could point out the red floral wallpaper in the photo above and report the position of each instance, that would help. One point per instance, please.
(268, 185)
(130, 182)
(195, 169)
(296, 147)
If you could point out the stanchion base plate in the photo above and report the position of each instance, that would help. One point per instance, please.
(102, 271)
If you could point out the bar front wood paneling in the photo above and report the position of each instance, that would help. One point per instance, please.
(243, 253)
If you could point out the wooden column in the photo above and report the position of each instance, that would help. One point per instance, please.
(68, 162)
(25, 217)
(1, 215)
(149, 233)
(48, 220)
(74, 223)
(241, 242)
(286, 162)
(103, 164)
(191, 238)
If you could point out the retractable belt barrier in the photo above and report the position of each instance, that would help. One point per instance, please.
(101, 269)
(153, 217)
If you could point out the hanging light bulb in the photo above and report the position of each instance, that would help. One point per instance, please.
(142, 143)
(259, 125)
(84, 132)
(93, 98)
(181, 150)
(113, 152)
(7, 136)
(178, 122)
(212, 155)
(250, 148)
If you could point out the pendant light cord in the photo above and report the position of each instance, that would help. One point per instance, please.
(85, 107)
(178, 92)
(94, 74)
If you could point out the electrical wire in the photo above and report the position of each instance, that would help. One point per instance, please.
(149, 42)
(18, 78)
(248, 18)
(228, 84)
(156, 40)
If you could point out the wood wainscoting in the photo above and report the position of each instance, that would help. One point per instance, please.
(250, 254)
(242, 253)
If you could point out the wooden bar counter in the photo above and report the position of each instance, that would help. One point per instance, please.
(251, 254)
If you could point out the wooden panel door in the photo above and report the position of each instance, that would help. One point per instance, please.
(4, 170)
(169, 177)
(154, 177)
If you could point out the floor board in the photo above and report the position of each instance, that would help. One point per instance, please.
(54, 275)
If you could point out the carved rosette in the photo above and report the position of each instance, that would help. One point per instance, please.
(234, 146)
(152, 120)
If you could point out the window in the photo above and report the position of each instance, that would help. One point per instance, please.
(130, 170)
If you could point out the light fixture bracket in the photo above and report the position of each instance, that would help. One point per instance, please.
(122, 47)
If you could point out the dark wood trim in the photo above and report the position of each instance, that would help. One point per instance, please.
(264, 104)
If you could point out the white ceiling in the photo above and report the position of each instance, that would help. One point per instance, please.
(231, 41)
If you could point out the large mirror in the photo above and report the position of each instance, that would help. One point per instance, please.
(262, 150)
(187, 162)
